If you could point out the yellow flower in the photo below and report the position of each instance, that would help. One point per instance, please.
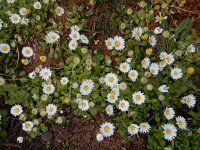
(67, 100)
(24, 61)
(145, 37)
(43, 58)
(190, 70)
(129, 11)
(149, 51)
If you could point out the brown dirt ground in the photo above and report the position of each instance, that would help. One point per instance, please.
(81, 134)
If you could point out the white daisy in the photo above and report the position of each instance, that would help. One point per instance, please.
(32, 75)
(190, 100)
(24, 21)
(23, 11)
(138, 98)
(84, 105)
(123, 86)
(123, 105)
(109, 110)
(75, 28)
(52, 37)
(99, 137)
(124, 67)
(48, 89)
(27, 51)
(16, 110)
(152, 41)
(169, 113)
(176, 73)
(163, 88)
(20, 139)
(84, 39)
(115, 91)
(51, 109)
(162, 65)
(111, 79)
(169, 59)
(133, 129)
(169, 131)
(144, 127)
(191, 48)
(119, 43)
(137, 33)
(74, 35)
(145, 63)
(86, 87)
(64, 80)
(154, 68)
(158, 30)
(160, 18)
(4, 48)
(27, 126)
(59, 11)
(73, 45)
(107, 129)
(37, 5)
(15, 18)
(163, 55)
(133, 75)
(181, 122)
(10, 1)
(128, 60)
(109, 43)
(45, 73)
(111, 98)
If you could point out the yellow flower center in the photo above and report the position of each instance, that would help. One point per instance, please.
(86, 88)
(143, 126)
(180, 122)
(58, 10)
(51, 109)
(73, 44)
(53, 37)
(122, 105)
(188, 100)
(111, 79)
(124, 67)
(175, 73)
(117, 43)
(168, 131)
(74, 36)
(27, 51)
(48, 88)
(132, 128)
(112, 97)
(138, 97)
(46, 73)
(106, 128)
(144, 62)
(137, 33)
(16, 110)
(168, 59)
(15, 18)
(161, 18)
(152, 70)
(132, 74)
(83, 105)
(167, 112)
(27, 125)
(109, 43)
(4, 48)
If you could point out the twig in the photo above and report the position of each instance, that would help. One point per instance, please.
(17, 58)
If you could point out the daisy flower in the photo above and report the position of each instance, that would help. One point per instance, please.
(123, 105)
(111, 98)
(133, 129)
(51, 109)
(181, 122)
(115, 91)
(86, 87)
(154, 68)
(99, 137)
(124, 67)
(158, 30)
(37, 5)
(27, 51)
(20, 139)
(191, 48)
(133, 75)
(52, 37)
(190, 100)
(169, 59)
(45, 73)
(123, 86)
(111, 79)
(152, 41)
(169, 113)
(176, 73)
(73, 45)
(15, 18)
(144, 127)
(160, 18)
(145, 63)
(23, 11)
(24, 21)
(162, 65)
(109, 43)
(59, 11)
(48, 89)
(84, 105)
(163, 88)
(27, 126)
(107, 129)
(84, 39)
(109, 110)
(119, 43)
(138, 98)
(75, 28)
(10, 1)
(16, 110)
(4, 48)
(74, 35)
(163, 55)
(64, 80)
(169, 131)
(137, 33)
(32, 75)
